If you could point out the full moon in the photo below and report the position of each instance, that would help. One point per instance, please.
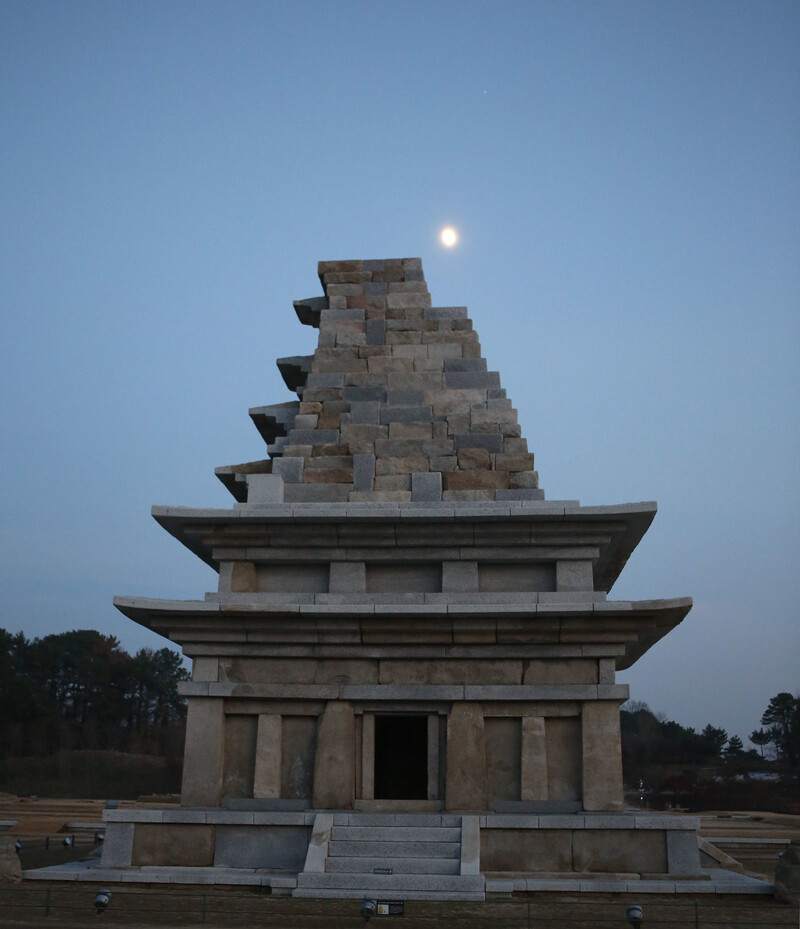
(448, 237)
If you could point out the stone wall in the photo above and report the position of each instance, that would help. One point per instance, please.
(396, 403)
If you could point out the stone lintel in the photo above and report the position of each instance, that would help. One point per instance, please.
(407, 692)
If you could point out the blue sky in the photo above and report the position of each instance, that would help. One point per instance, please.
(625, 177)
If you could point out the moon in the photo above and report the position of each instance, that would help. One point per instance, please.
(448, 237)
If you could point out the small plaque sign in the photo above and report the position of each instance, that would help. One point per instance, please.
(391, 907)
(382, 871)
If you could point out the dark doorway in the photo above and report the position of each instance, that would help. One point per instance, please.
(401, 757)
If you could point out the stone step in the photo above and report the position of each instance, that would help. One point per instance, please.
(401, 894)
(398, 865)
(396, 834)
(363, 849)
(374, 883)
(401, 820)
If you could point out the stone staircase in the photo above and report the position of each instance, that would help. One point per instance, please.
(393, 856)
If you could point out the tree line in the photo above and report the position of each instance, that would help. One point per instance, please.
(649, 741)
(80, 691)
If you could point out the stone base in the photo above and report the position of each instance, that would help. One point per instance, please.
(411, 856)
(587, 850)
(587, 843)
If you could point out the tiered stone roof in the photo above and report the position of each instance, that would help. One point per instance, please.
(395, 405)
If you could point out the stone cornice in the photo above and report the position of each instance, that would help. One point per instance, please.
(634, 625)
(341, 527)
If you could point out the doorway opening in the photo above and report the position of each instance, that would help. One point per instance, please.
(401, 757)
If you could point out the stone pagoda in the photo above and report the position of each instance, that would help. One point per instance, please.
(405, 681)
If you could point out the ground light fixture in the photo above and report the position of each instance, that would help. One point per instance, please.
(634, 915)
(368, 909)
(101, 900)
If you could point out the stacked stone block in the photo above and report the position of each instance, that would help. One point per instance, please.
(396, 404)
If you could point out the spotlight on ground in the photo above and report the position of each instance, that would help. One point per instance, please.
(101, 900)
(634, 915)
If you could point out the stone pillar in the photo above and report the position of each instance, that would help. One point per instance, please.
(242, 577)
(204, 752)
(534, 759)
(433, 756)
(267, 776)
(10, 868)
(334, 762)
(466, 786)
(368, 756)
(602, 756)
(574, 575)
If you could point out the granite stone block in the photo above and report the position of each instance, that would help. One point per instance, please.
(471, 380)
(491, 442)
(358, 394)
(314, 436)
(408, 287)
(446, 312)
(524, 493)
(264, 488)
(365, 412)
(326, 379)
(118, 845)
(683, 855)
(363, 472)
(317, 493)
(426, 487)
(289, 469)
(465, 364)
(406, 398)
(459, 577)
(376, 332)
(346, 315)
(406, 414)
(407, 301)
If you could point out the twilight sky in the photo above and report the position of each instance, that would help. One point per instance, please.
(625, 178)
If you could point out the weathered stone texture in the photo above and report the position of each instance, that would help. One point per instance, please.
(378, 330)
(602, 756)
(334, 773)
(203, 752)
(10, 869)
(466, 787)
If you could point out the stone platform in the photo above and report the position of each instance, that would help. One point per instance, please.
(411, 856)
